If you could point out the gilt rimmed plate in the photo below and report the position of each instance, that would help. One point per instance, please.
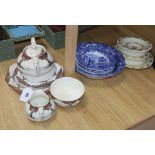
(131, 56)
(148, 63)
(134, 44)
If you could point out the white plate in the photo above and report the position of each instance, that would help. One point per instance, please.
(148, 63)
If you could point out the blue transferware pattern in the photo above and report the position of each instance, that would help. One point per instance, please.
(119, 66)
(93, 71)
(96, 56)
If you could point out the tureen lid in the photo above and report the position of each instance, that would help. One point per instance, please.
(34, 50)
(33, 54)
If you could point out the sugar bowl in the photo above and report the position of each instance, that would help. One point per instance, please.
(39, 107)
(67, 91)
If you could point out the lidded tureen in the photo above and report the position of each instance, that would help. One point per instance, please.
(35, 68)
(35, 60)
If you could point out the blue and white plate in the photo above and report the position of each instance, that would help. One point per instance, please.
(93, 71)
(98, 73)
(96, 56)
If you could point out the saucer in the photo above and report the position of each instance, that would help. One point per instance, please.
(19, 85)
(44, 119)
(148, 63)
(146, 60)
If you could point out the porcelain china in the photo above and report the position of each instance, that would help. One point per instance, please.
(34, 60)
(134, 46)
(15, 79)
(111, 66)
(34, 68)
(148, 62)
(39, 108)
(136, 52)
(41, 80)
(136, 61)
(95, 56)
(67, 91)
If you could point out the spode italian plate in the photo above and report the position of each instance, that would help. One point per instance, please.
(96, 56)
(118, 59)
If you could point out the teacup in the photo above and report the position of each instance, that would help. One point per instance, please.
(67, 91)
(39, 107)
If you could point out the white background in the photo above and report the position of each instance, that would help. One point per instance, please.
(77, 142)
(77, 12)
(97, 12)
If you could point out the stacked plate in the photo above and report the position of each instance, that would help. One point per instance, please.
(18, 82)
(98, 60)
(136, 52)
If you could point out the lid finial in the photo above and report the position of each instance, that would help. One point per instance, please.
(33, 42)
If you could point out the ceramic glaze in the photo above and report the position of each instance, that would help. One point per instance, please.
(67, 91)
(39, 108)
(100, 72)
(142, 65)
(34, 60)
(39, 101)
(96, 56)
(34, 51)
(135, 62)
(136, 52)
(29, 64)
(35, 68)
(33, 80)
(134, 46)
(16, 80)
